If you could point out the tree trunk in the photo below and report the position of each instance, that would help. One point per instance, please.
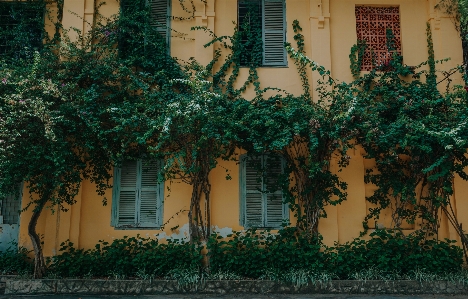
(39, 263)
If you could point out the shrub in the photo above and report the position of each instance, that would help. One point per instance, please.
(253, 253)
(392, 252)
(15, 261)
(134, 256)
(288, 255)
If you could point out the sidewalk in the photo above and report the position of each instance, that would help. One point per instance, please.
(240, 296)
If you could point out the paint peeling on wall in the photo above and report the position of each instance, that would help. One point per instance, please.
(182, 233)
(223, 232)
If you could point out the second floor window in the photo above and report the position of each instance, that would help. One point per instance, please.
(160, 18)
(265, 21)
(133, 39)
(21, 28)
(373, 26)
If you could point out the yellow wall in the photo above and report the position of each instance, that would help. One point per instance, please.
(329, 30)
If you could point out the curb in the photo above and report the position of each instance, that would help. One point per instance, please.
(166, 287)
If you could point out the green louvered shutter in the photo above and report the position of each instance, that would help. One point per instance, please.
(273, 196)
(274, 33)
(128, 193)
(261, 196)
(137, 195)
(130, 39)
(21, 25)
(253, 197)
(160, 18)
(249, 12)
(150, 203)
(11, 207)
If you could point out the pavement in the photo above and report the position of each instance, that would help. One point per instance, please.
(238, 296)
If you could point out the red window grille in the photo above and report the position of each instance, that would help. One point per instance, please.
(371, 26)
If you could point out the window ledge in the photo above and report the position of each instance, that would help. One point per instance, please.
(136, 228)
(267, 66)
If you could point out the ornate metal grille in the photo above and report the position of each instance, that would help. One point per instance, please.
(371, 26)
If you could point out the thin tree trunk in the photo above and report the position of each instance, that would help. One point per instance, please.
(192, 226)
(39, 263)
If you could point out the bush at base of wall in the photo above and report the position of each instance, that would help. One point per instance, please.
(15, 261)
(252, 254)
(255, 254)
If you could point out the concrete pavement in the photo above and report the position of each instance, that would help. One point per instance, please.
(235, 296)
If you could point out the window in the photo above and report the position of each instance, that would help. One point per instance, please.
(270, 17)
(160, 18)
(11, 207)
(21, 26)
(160, 12)
(137, 199)
(261, 196)
(372, 25)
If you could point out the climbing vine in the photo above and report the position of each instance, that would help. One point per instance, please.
(458, 11)
(414, 133)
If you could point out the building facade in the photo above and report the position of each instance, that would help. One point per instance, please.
(139, 205)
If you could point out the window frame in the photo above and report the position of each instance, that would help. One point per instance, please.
(40, 37)
(364, 67)
(284, 63)
(243, 195)
(116, 199)
(148, 5)
(8, 198)
(168, 22)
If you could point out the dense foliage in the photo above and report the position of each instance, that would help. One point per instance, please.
(416, 135)
(130, 256)
(458, 10)
(16, 261)
(253, 254)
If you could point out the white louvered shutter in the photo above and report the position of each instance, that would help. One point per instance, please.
(253, 195)
(274, 33)
(128, 193)
(149, 195)
(160, 16)
(274, 198)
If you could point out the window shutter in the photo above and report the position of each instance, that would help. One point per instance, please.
(131, 6)
(160, 18)
(115, 197)
(253, 203)
(249, 13)
(261, 197)
(274, 199)
(11, 206)
(274, 213)
(274, 33)
(25, 16)
(128, 194)
(128, 43)
(150, 203)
